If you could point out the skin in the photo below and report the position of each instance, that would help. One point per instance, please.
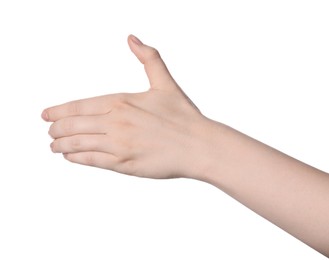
(160, 133)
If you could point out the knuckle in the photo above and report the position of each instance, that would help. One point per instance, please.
(120, 97)
(68, 126)
(120, 104)
(153, 54)
(130, 167)
(68, 156)
(89, 159)
(74, 107)
(76, 144)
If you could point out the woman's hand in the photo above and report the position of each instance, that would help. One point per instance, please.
(155, 134)
(161, 134)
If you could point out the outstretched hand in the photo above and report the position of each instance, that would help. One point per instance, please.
(161, 134)
(155, 134)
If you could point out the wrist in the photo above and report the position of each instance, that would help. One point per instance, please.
(205, 154)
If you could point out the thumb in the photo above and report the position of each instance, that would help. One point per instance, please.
(156, 70)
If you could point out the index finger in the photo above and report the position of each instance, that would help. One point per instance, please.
(82, 107)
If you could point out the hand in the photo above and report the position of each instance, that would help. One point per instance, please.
(161, 134)
(155, 134)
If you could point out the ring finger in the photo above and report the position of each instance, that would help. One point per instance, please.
(83, 143)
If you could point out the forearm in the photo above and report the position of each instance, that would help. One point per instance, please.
(287, 192)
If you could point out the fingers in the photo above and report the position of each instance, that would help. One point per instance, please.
(157, 74)
(84, 143)
(79, 125)
(96, 150)
(103, 160)
(83, 107)
(155, 67)
(95, 159)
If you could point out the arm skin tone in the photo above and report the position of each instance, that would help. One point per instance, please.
(160, 133)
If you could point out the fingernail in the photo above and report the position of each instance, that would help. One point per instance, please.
(136, 40)
(45, 116)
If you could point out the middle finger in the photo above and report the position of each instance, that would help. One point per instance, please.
(79, 125)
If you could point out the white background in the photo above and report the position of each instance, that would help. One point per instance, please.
(258, 66)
